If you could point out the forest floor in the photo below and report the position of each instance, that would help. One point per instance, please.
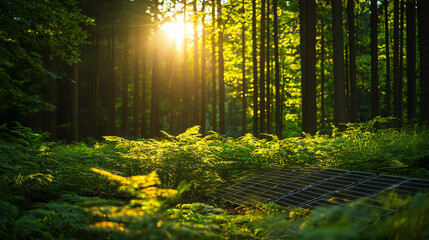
(156, 189)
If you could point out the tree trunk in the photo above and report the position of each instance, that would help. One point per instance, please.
(423, 28)
(279, 116)
(75, 103)
(95, 79)
(196, 91)
(374, 61)
(411, 60)
(268, 70)
(136, 87)
(243, 72)
(154, 109)
(262, 71)
(255, 72)
(203, 72)
(338, 57)
(186, 85)
(144, 102)
(322, 72)
(352, 47)
(125, 69)
(221, 71)
(397, 100)
(307, 9)
(173, 81)
(386, 36)
(214, 82)
(111, 116)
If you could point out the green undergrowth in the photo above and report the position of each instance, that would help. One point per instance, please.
(157, 189)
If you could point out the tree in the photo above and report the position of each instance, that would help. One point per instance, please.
(397, 100)
(214, 82)
(196, 90)
(411, 59)
(221, 71)
(374, 61)
(125, 75)
(262, 70)
(277, 70)
(255, 72)
(352, 60)
(75, 104)
(243, 71)
(423, 33)
(30, 39)
(111, 92)
(268, 78)
(338, 57)
(322, 72)
(155, 91)
(307, 9)
(386, 37)
(203, 71)
(136, 85)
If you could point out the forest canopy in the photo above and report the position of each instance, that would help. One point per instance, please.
(82, 69)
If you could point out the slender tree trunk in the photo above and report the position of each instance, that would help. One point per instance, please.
(144, 102)
(411, 59)
(386, 36)
(255, 72)
(322, 72)
(196, 69)
(75, 103)
(136, 87)
(111, 116)
(337, 32)
(214, 82)
(268, 70)
(243, 72)
(396, 70)
(154, 109)
(221, 71)
(125, 69)
(352, 46)
(347, 83)
(262, 71)
(307, 9)
(173, 81)
(186, 94)
(374, 61)
(401, 57)
(95, 81)
(423, 28)
(203, 72)
(279, 103)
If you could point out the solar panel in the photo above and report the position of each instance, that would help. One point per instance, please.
(311, 187)
(252, 178)
(366, 188)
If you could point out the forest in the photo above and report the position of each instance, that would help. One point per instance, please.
(120, 118)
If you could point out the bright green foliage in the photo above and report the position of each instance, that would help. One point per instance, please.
(48, 190)
(33, 34)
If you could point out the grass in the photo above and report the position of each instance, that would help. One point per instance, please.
(155, 189)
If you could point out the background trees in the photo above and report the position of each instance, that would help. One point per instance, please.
(229, 66)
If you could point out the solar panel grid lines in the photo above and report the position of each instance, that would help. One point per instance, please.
(260, 175)
(409, 187)
(242, 186)
(311, 187)
(339, 184)
(364, 189)
(308, 193)
(252, 194)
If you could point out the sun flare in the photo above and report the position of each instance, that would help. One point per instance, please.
(175, 30)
